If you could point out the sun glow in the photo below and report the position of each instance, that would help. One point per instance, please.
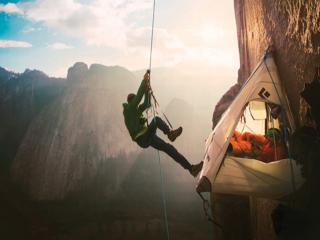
(211, 34)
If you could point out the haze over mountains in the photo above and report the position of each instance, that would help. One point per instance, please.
(65, 145)
(71, 144)
(22, 97)
(70, 125)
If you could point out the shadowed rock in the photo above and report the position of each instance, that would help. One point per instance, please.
(69, 141)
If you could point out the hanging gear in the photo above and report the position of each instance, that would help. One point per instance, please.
(155, 104)
(206, 208)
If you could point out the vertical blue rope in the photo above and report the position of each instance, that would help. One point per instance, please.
(159, 160)
(163, 192)
(152, 27)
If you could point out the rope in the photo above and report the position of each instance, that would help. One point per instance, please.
(285, 128)
(156, 103)
(274, 141)
(164, 202)
(152, 28)
(163, 192)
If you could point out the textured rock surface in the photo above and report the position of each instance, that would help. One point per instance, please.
(22, 97)
(89, 181)
(292, 28)
(69, 141)
(224, 103)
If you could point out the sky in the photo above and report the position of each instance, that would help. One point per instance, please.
(51, 35)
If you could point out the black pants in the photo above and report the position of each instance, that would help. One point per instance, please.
(151, 139)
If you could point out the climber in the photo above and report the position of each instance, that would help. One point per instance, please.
(145, 135)
(266, 148)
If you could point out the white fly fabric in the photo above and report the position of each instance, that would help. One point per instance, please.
(262, 85)
(245, 176)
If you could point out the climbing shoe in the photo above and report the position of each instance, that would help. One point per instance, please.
(195, 169)
(173, 134)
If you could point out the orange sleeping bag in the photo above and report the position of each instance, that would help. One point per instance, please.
(256, 146)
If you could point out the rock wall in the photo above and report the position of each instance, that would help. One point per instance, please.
(76, 135)
(22, 97)
(79, 175)
(292, 29)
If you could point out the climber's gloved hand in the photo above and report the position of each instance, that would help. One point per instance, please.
(146, 76)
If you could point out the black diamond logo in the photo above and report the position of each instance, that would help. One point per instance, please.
(264, 93)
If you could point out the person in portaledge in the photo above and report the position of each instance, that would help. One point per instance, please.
(145, 135)
(266, 148)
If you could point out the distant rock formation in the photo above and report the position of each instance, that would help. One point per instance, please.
(5, 75)
(78, 155)
(77, 72)
(22, 97)
(72, 139)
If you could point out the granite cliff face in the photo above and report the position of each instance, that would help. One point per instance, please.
(292, 29)
(78, 175)
(22, 97)
(69, 141)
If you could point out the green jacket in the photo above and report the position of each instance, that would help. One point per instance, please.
(132, 112)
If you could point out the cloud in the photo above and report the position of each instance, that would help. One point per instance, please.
(31, 29)
(169, 49)
(124, 27)
(59, 46)
(14, 44)
(103, 23)
(162, 38)
(28, 30)
(10, 8)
